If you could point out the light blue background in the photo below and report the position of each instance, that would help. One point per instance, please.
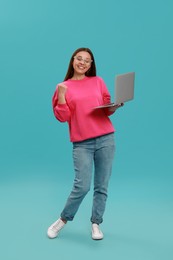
(37, 39)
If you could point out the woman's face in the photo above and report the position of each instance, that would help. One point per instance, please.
(82, 62)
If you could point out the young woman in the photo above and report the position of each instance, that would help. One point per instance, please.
(91, 133)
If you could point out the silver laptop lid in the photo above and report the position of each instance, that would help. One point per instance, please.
(124, 87)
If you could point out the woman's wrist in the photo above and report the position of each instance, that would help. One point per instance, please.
(61, 99)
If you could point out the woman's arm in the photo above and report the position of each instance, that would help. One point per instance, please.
(60, 107)
(107, 99)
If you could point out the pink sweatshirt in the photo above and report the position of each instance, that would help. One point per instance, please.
(81, 97)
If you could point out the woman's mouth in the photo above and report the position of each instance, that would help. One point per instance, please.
(81, 67)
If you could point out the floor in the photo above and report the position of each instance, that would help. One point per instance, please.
(137, 223)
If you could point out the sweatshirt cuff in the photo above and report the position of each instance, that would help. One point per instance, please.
(61, 105)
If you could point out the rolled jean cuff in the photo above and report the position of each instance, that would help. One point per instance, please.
(96, 221)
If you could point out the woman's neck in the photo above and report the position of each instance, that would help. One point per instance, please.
(78, 77)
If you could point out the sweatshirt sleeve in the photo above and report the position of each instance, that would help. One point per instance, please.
(61, 111)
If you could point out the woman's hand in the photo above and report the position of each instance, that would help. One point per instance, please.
(62, 88)
(114, 108)
(61, 93)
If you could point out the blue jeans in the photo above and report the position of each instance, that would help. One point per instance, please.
(100, 152)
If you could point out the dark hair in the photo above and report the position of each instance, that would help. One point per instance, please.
(92, 70)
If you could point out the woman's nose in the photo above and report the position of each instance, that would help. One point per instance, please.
(82, 61)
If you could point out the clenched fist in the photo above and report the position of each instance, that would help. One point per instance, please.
(61, 93)
(62, 89)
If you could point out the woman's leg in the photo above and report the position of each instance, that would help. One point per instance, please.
(83, 162)
(103, 158)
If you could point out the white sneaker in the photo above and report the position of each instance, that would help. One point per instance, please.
(96, 232)
(54, 229)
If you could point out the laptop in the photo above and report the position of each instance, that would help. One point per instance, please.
(124, 89)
